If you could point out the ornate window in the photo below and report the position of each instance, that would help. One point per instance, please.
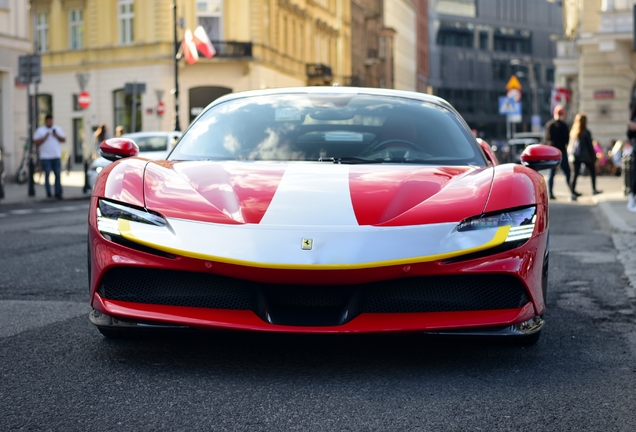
(75, 29)
(126, 20)
(210, 17)
(123, 105)
(42, 31)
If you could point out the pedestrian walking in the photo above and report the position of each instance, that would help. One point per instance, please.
(91, 152)
(557, 134)
(581, 150)
(631, 182)
(49, 139)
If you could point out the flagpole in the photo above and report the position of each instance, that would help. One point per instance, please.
(177, 127)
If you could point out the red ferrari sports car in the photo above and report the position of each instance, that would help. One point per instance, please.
(322, 210)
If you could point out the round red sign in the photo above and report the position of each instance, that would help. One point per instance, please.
(84, 100)
(161, 108)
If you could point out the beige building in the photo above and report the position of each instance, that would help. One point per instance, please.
(111, 43)
(597, 63)
(15, 41)
(401, 16)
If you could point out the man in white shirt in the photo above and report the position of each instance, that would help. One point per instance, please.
(49, 139)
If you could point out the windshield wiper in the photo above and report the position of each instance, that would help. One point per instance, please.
(350, 160)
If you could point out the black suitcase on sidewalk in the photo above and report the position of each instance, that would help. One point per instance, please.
(627, 172)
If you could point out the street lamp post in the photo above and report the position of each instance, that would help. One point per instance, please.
(533, 86)
(177, 126)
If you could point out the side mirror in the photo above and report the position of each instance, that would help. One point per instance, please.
(118, 148)
(488, 150)
(540, 157)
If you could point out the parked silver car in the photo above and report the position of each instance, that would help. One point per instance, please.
(518, 143)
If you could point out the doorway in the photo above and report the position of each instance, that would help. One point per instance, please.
(200, 97)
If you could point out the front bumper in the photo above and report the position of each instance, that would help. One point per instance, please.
(522, 263)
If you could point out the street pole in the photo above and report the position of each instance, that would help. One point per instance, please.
(527, 63)
(533, 86)
(133, 125)
(31, 191)
(177, 127)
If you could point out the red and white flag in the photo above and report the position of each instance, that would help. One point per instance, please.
(189, 48)
(202, 42)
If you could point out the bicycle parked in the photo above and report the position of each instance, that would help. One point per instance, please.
(22, 174)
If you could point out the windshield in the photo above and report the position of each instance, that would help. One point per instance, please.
(345, 128)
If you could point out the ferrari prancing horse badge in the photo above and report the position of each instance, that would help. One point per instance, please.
(307, 244)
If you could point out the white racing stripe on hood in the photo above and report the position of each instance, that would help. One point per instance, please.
(312, 195)
(359, 247)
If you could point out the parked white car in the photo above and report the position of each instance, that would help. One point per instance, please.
(152, 145)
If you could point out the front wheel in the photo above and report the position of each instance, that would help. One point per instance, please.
(22, 175)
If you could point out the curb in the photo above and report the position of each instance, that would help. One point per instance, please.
(617, 222)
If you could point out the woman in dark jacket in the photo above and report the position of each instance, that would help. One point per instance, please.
(583, 151)
(631, 135)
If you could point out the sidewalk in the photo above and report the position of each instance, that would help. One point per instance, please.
(72, 189)
(612, 202)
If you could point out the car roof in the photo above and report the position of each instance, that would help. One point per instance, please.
(334, 90)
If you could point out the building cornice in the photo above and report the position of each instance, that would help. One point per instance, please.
(17, 44)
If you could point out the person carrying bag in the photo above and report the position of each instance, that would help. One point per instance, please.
(581, 151)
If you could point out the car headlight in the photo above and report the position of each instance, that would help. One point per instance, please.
(98, 169)
(108, 214)
(521, 223)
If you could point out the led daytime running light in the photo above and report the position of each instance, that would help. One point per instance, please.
(521, 223)
(108, 214)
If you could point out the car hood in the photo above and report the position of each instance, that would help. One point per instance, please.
(315, 193)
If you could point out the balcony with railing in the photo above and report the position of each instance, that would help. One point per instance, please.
(318, 70)
(230, 49)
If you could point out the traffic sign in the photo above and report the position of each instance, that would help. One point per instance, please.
(84, 99)
(515, 94)
(134, 88)
(513, 83)
(161, 108)
(509, 106)
(514, 118)
(29, 69)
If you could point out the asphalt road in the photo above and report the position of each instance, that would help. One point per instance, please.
(58, 373)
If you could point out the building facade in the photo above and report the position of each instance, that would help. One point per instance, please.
(15, 41)
(401, 17)
(597, 63)
(477, 45)
(108, 46)
(423, 69)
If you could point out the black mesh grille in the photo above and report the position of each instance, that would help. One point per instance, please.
(340, 302)
(176, 288)
(446, 294)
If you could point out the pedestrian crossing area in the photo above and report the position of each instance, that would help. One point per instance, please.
(33, 211)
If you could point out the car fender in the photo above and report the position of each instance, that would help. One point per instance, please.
(122, 181)
(515, 186)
